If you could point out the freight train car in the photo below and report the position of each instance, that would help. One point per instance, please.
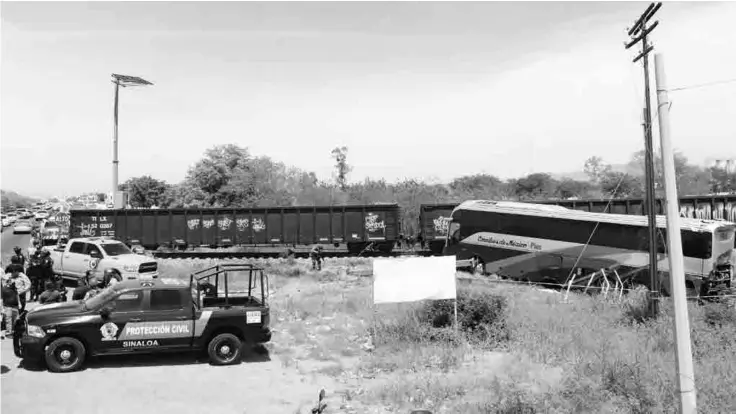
(349, 227)
(433, 225)
(433, 218)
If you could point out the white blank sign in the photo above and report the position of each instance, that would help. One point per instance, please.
(414, 279)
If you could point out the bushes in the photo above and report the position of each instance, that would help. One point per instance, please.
(481, 316)
(481, 319)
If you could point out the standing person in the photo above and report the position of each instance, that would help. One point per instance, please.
(10, 307)
(21, 283)
(47, 266)
(19, 254)
(14, 262)
(316, 255)
(35, 274)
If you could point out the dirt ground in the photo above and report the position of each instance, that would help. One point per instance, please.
(161, 384)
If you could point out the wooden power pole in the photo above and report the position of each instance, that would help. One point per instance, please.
(638, 33)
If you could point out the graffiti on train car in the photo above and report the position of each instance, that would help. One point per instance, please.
(242, 224)
(441, 225)
(208, 223)
(258, 225)
(192, 223)
(224, 223)
(373, 223)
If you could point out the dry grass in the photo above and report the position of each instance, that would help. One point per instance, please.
(528, 352)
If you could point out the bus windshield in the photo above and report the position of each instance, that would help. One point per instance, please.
(453, 233)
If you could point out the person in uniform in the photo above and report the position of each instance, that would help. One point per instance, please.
(316, 255)
(35, 274)
(19, 254)
(47, 266)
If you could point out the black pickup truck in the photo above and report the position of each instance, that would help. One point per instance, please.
(147, 316)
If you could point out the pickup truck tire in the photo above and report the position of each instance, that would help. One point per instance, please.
(225, 349)
(65, 354)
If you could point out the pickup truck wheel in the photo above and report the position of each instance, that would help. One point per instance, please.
(65, 355)
(224, 349)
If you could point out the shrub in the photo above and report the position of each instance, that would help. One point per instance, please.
(481, 316)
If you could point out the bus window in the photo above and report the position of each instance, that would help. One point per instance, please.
(723, 235)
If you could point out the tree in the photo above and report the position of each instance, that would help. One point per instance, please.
(479, 186)
(145, 191)
(222, 178)
(568, 188)
(722, 181)
(595, 169)
(691, 179)
(621, 185)
(535, 186)
(342, 168)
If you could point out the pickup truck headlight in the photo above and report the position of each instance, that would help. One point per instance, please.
(36, 331)
(130, 268)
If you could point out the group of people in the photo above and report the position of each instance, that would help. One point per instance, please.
(21, 276)
(43, 285)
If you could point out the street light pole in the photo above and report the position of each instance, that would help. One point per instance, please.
(115, 143)
(120, 81)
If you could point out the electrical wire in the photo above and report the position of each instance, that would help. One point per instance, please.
(608, 205)
(702, 85)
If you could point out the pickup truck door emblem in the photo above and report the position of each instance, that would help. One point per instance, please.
(109, 331)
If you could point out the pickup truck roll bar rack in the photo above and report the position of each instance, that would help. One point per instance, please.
(217, 270)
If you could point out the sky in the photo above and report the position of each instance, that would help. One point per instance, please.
(429, 90)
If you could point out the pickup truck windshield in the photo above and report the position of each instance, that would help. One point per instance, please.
(115, 249)
(102, 297)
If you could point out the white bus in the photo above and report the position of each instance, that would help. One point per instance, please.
(549, 244)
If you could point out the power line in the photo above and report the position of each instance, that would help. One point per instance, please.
(702, 85)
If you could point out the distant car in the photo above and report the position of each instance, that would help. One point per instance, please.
(6, 221)
(12, 218)
(41, 215)
(23, 226)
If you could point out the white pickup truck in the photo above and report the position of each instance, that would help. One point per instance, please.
(71, 261)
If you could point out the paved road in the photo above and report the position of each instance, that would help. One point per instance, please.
(9, 240)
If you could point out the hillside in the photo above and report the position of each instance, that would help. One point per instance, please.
(13, 199)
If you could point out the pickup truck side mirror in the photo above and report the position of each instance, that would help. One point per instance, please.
(95, 254)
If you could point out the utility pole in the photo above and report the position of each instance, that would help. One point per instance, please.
(120, 81)
(639, 32)
(683, 351)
